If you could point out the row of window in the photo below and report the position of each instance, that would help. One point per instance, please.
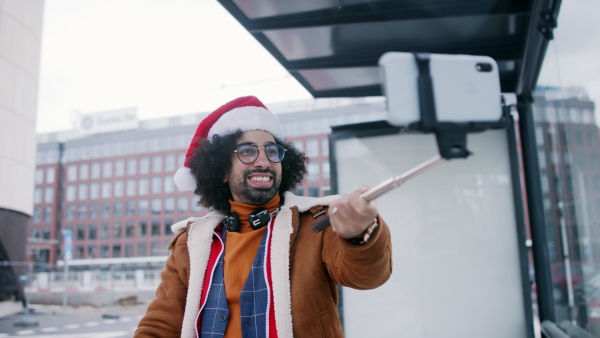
(551, 113)
(122, 167)
(131, 208)
(115, 230)
(119, 188)
(141, 249)
(45, 175)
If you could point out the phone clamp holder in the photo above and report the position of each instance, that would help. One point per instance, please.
(451, 137)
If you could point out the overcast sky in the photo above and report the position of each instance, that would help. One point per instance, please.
(172, 57)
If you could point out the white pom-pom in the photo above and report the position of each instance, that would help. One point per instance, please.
(184, 180)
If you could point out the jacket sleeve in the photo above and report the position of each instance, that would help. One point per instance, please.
(164, 315)
(365, 266)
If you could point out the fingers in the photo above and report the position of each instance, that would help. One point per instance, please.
(350, 215)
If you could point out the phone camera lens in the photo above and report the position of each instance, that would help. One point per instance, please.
(484, 67)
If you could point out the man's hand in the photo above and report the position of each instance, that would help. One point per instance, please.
(351, 215)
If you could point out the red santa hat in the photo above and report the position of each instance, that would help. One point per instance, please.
(244, 113)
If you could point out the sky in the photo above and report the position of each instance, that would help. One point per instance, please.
(173, 57)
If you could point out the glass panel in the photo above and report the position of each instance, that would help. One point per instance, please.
(568, 92)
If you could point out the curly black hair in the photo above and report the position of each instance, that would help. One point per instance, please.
(212, 160)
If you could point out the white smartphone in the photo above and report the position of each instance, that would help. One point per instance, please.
(466, 87)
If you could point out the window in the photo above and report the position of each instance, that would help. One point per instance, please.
(312, 147)
(95, 170)
(107, 169)
(131, 187)
(81, 232)
(131, 166)
(143, 187)
(129, 250)
(169, 184)
(119, 168)
(167, 226)
(116, 230)
(129, 229)
(104, 251)
(313, 171)
(84, 171)
(50, 174)
(104, 230)
(39, 194)
(105, 209)
(325, 170)
(143, 207)
(70, 214)
(325, 146)
(116, 250)
(298, 144)
(130, 208)
(106, 186)
(35, 232)
(156, 206)
(142, 229)
(119, 188)
(47, 214)
(144, 165)
(49, 194)
(169, 205)
(39, 176)
(156, 164)
(93, 211)
(313, 191)
(141, 249)
(94, 190)
(155, 230)
(37, 215)
(170, 162)
(155, 249)
(182, 204)
(118, 209)
(82, 193)
(195, 207)
(157, 185)
(46, 233)
(80, 252)
(82, 212)
(92, 231)
(72, 173)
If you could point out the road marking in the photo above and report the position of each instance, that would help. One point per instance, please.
(49, 329)
(91, 324)
(109, 321)
(24, 332)
(72, 326)
(126, 319)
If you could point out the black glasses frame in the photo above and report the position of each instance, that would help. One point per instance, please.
(280, 149)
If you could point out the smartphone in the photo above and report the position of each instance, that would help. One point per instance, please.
(466, 87)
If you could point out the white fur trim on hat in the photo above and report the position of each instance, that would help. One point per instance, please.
(184, 180)
(247, 118)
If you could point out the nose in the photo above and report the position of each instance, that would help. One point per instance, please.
(262, 161)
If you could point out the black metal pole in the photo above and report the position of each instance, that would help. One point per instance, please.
(535, 207)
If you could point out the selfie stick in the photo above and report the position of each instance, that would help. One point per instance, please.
(386, 186)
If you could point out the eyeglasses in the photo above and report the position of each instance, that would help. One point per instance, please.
(248, 153)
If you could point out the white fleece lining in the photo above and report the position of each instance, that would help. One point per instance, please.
(246, 118)
(199, 243)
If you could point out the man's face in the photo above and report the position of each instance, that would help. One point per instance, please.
(255, 183)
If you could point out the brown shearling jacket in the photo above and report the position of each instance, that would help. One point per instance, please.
(306, 269)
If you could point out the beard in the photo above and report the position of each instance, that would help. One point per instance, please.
(253, 195)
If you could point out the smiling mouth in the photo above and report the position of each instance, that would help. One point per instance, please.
(261, 179)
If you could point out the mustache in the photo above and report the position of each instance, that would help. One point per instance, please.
(262, 171)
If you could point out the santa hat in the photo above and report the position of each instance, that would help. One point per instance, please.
(244, 113)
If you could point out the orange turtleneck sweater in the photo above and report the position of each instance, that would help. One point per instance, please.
(240, 250)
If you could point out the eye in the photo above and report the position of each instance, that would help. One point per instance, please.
(246, 150)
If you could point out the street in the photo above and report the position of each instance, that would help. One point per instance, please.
(81, 322)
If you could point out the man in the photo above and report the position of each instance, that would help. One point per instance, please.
(253, 266)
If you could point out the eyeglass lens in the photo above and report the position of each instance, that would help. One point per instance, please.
(248, 153)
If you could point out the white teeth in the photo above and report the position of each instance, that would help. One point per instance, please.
(260, 179)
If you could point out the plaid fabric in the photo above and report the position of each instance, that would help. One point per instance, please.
(215, 313)
(254, 298)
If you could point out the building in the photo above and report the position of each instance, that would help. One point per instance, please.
(110, 182)
(20, 45)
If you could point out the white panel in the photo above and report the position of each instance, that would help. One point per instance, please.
(455, 254)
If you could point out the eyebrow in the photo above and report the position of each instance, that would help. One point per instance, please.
(254, 144)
